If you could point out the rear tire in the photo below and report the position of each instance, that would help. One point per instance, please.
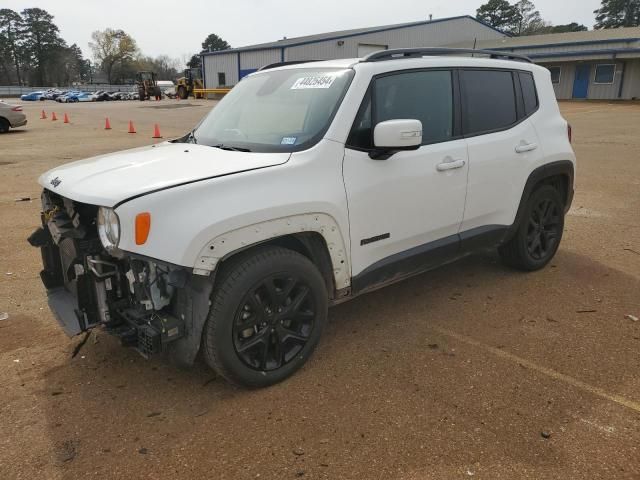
(182, 93)
(267, 313)
(539, 234)
(4, 125)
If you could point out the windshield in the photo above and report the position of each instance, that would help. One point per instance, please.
(275, 111)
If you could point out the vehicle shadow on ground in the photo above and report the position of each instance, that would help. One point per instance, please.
(380, 365)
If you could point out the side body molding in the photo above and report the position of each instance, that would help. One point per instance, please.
(231, 242)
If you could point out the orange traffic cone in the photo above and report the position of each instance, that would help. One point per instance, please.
(131, 129)
(66, 119)
(53, 116)
(156, 131)
(43, 115)
(107, 124)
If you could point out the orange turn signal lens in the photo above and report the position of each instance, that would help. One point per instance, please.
(143, 225)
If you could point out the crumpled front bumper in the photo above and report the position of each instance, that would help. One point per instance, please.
(63, 305)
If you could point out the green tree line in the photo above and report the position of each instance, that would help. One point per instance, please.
(32, 52)
(522, 17)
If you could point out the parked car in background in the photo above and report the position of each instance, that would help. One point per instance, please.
(52, 94)
(11, 116)
(70, 94)
(79, 97)
(100, 96)
(32, 97)
(120, 96)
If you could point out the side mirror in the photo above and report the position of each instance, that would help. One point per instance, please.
(395, 135)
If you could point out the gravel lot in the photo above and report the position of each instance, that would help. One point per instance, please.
(472, 370)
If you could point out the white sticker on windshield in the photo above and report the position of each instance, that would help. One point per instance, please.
(288, 141)
(317, 81)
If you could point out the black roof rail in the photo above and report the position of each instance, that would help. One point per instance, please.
(284, 64)
(397, 53)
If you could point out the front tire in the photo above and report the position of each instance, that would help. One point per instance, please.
(539, 233)
(267, 314)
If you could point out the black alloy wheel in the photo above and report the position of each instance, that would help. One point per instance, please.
(538, 234)
(268, 309)
(274, 322)
(543, 229)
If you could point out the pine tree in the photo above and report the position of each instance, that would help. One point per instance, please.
(499, 14)
(213, 43)
(41, 41)
(618, 13)
(11, 42)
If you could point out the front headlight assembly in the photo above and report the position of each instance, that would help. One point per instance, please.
(108, 228)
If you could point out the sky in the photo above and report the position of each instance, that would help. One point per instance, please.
(177, 28)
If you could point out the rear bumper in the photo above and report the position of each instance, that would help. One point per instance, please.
(19, 123)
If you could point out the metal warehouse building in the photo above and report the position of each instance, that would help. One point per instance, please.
(227, 67)
(599, 65)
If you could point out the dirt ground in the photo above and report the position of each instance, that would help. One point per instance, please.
(472, 370)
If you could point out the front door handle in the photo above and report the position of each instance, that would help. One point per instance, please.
(450, 164)
(526, 147)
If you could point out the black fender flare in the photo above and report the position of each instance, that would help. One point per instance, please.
(563, 168)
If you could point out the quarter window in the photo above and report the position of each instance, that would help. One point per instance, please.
(605, 73)
(489, 99)
(529, 94)
(555, 74)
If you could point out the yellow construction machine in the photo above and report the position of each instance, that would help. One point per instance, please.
(191, 81)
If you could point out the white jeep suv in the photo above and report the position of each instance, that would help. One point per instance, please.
(307, 185)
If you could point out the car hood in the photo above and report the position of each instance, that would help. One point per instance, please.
(110, 179)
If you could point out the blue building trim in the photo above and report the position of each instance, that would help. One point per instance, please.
(584, 53)
(203, 70)
(567, 44)
(239, 68)
(624, 72)
(349, 35)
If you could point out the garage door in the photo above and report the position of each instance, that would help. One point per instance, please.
(365, 49)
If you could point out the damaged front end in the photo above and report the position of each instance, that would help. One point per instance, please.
(141, 301)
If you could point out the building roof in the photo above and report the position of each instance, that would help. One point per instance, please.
(617, 35)
(295, 41)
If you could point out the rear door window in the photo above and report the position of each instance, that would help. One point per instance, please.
(489, 101)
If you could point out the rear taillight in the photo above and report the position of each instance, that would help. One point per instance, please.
(17, 109)
(569, 133)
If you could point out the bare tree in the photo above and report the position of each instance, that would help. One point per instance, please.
(112, 47)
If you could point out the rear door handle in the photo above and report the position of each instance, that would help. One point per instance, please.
(450, 164)
(526, 147)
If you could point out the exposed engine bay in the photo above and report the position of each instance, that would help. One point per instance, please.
(88, 286)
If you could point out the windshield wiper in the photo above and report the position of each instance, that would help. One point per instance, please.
(230, 148)
(191, 137)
